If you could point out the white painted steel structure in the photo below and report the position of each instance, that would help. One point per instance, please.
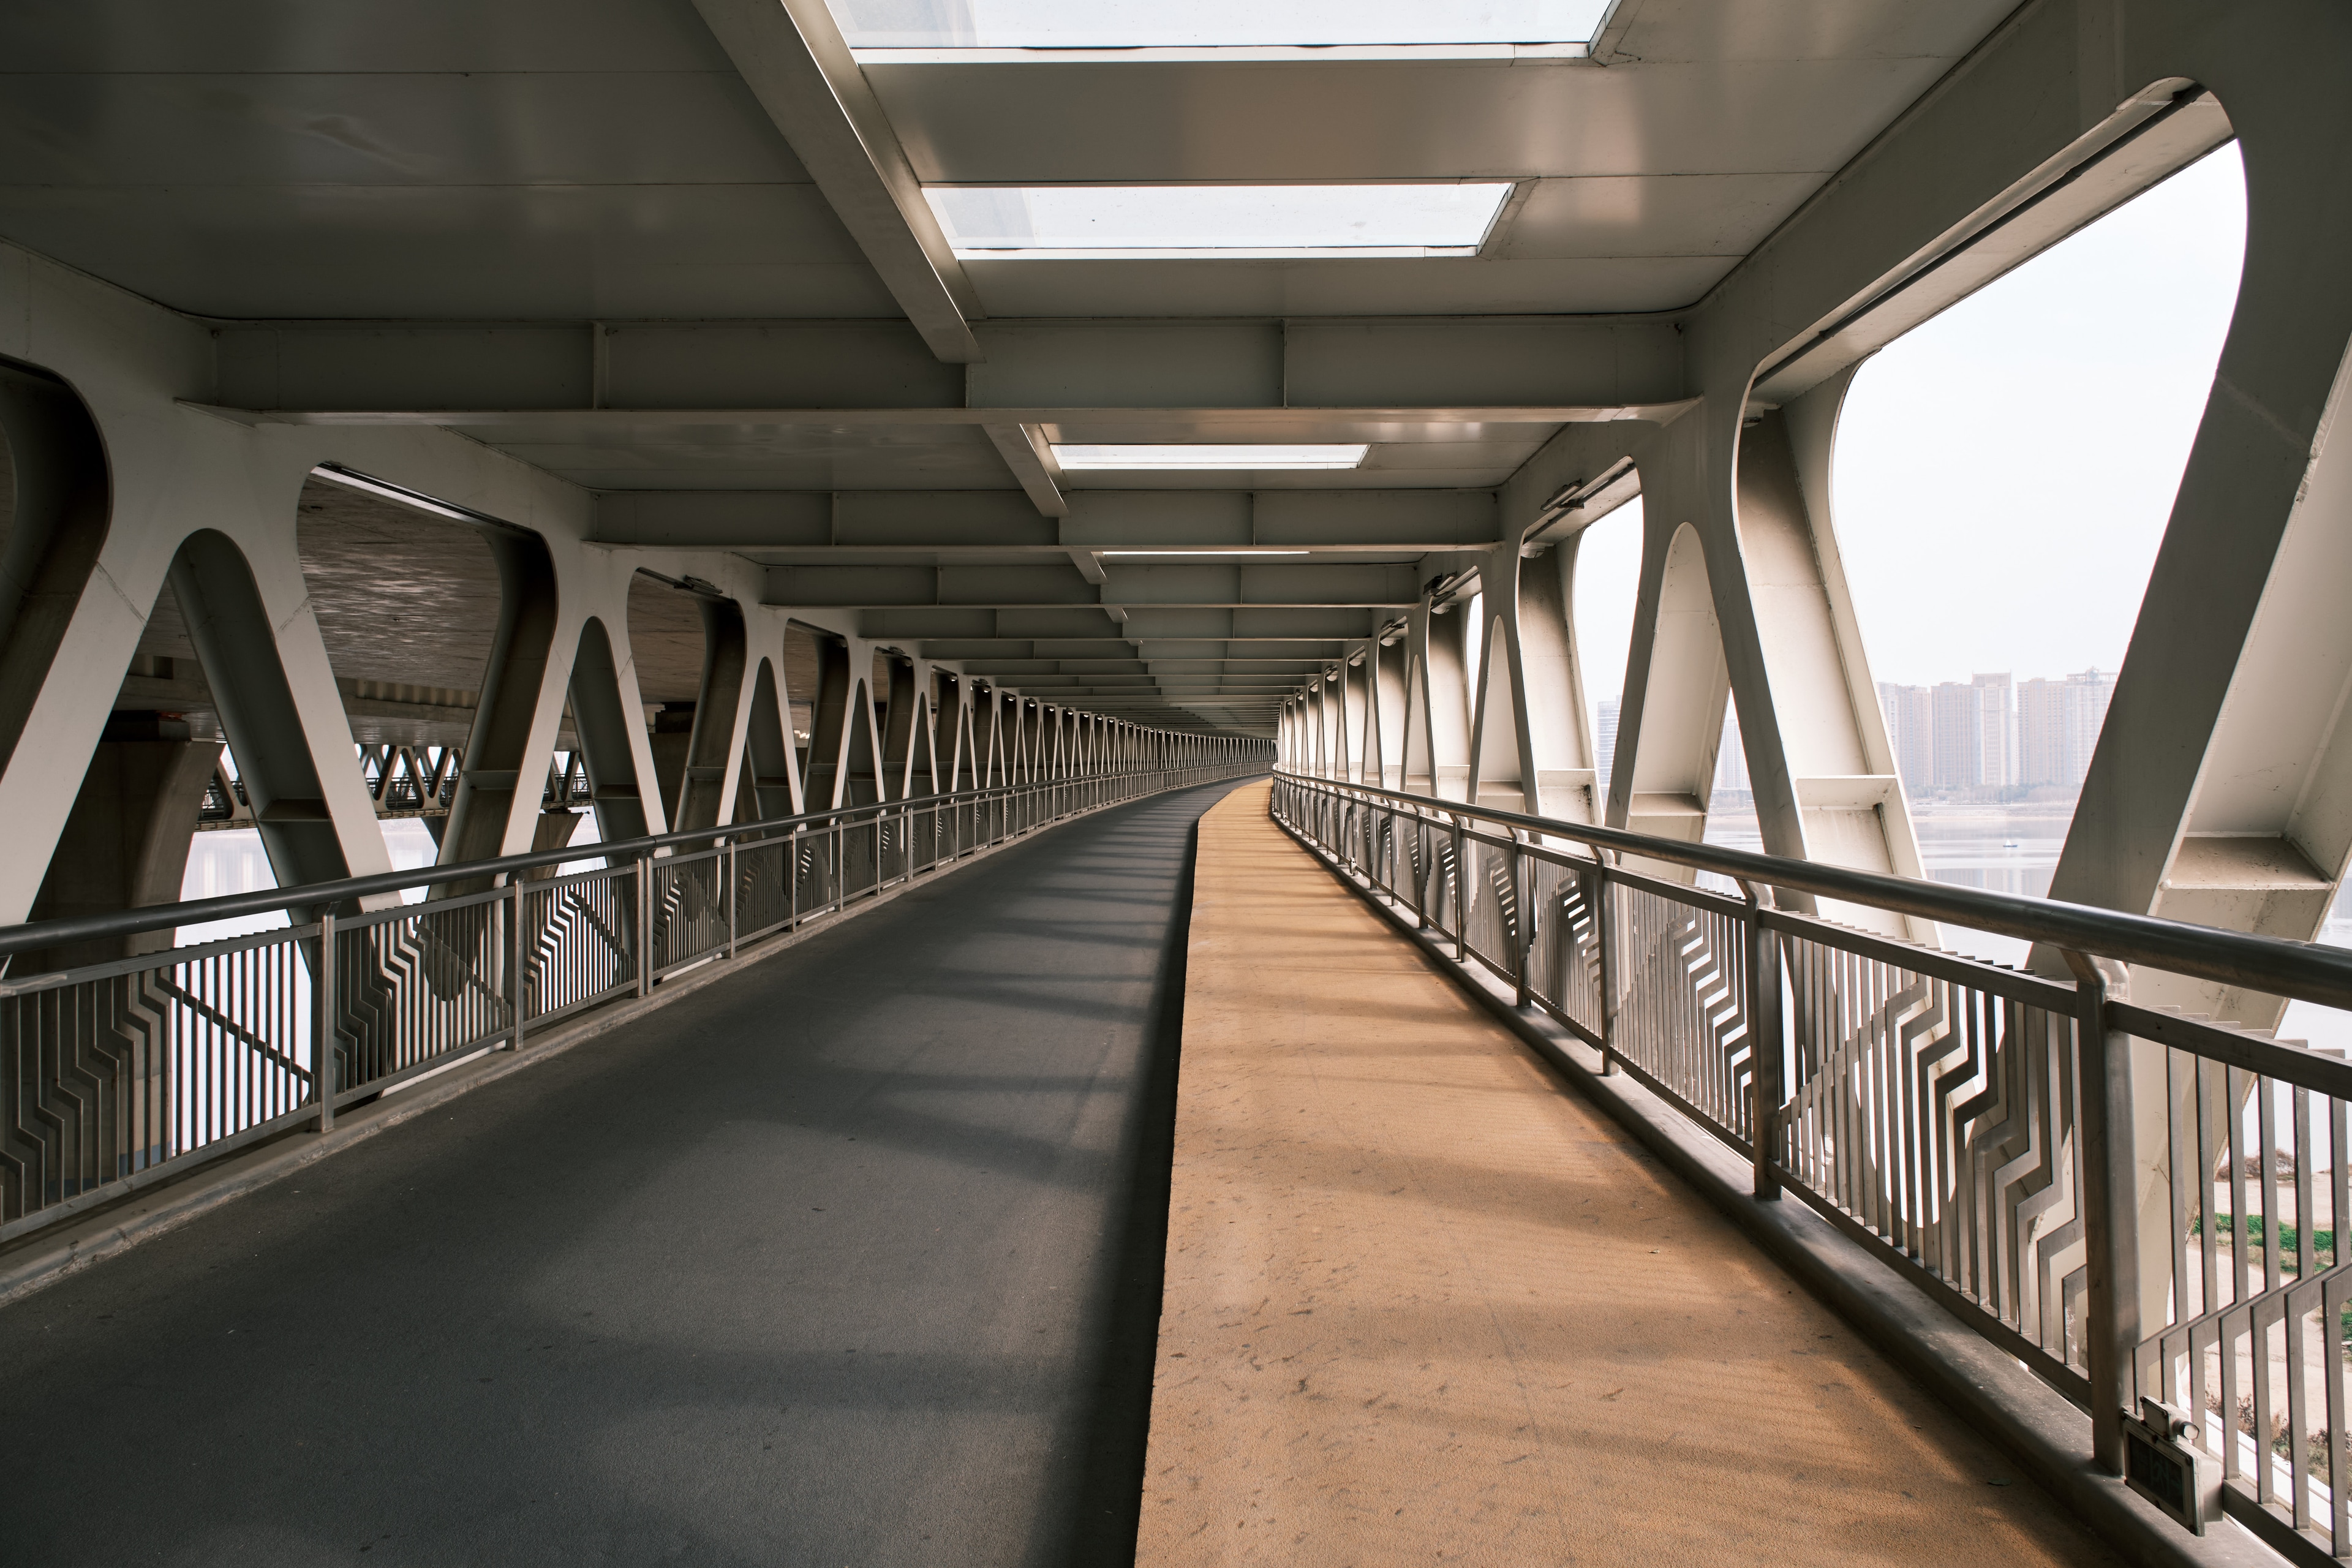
(1978, 1128)
(652, 286)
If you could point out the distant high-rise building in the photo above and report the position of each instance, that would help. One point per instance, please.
(1959, 744)
(2089, 693)
(1997, 743)
(1957, 736)
(1911, 730)
(2058, 726)
(1731, 758)
(1994, 730)
(1605, 743)
(2041, 730)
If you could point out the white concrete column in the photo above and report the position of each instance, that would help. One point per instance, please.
(1529, 751)
(771, 760)
(851, 770)
(1384, 747)
(2220, 789)
(178, 475)
(1437, 707)
(1669, 719)
(1818, 755)
(1356, 714)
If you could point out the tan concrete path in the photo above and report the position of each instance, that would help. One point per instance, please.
(1425, 1305)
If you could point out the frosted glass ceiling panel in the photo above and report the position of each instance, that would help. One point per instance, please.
(1218, 220)
(1208, 24)
(1201, 455)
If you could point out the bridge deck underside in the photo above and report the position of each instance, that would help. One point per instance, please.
(1423, 1306)
(851, 1258)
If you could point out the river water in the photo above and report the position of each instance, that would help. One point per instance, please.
(2014, 849)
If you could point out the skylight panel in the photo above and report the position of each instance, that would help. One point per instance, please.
(1082, 222)
(933, 24)
(1200, 456)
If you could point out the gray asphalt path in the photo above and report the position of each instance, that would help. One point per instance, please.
(851, 1258)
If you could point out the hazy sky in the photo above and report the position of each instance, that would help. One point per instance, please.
(2004, 472)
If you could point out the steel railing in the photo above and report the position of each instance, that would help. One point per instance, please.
(116, 1074)
(2136, 1202)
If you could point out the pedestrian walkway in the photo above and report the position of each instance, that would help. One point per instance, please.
(1425, 1305)
(848, 1257)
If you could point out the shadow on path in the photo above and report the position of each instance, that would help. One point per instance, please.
(852, 1257)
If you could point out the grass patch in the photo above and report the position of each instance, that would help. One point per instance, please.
(2256, 1230)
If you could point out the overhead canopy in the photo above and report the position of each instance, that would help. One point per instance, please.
(691, 256)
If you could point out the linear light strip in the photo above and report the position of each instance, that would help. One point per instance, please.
(1105, 222)
(1214, 54)
(1079, 457)
(1220, 253)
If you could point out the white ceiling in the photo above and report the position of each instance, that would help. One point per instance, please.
(550, 163)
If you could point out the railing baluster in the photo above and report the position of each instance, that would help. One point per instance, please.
(516, 999)
(1764, 1041)
(322, 1026)
(186, 1054)
(2103, 1111)
(1608, 937)
(645, 924)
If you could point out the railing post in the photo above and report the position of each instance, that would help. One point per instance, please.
(1424, 863)
(1605, 928)
(644, 924)
(1524, 943)
(323, 1023)
(1765, 1087)
(514, 956)
(2103, 1111)
(1461, 895)
(793, 878)
(730, 898)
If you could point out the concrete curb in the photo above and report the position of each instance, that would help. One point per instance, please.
(1992, 1391)
(46, 1256)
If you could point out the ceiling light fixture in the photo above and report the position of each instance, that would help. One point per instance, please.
(1055, 26)
(1197, 456)
(1080, 223)
(1194, 554)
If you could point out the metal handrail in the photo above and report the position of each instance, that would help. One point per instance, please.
(39, 934)
(1988, 1132)
(2274, 965)
(122, 1072)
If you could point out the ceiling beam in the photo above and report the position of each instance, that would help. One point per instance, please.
(1239, 422)
(792, 56)
(1092, 624)
(417, 370)
(1031, 459)
(1060, 585)
(813, 526)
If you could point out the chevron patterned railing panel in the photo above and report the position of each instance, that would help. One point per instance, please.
(115, 1073)
(1935, 1109)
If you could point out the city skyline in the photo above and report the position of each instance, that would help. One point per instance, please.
(1995, 732)
(1990, 731)
(2044, 569)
